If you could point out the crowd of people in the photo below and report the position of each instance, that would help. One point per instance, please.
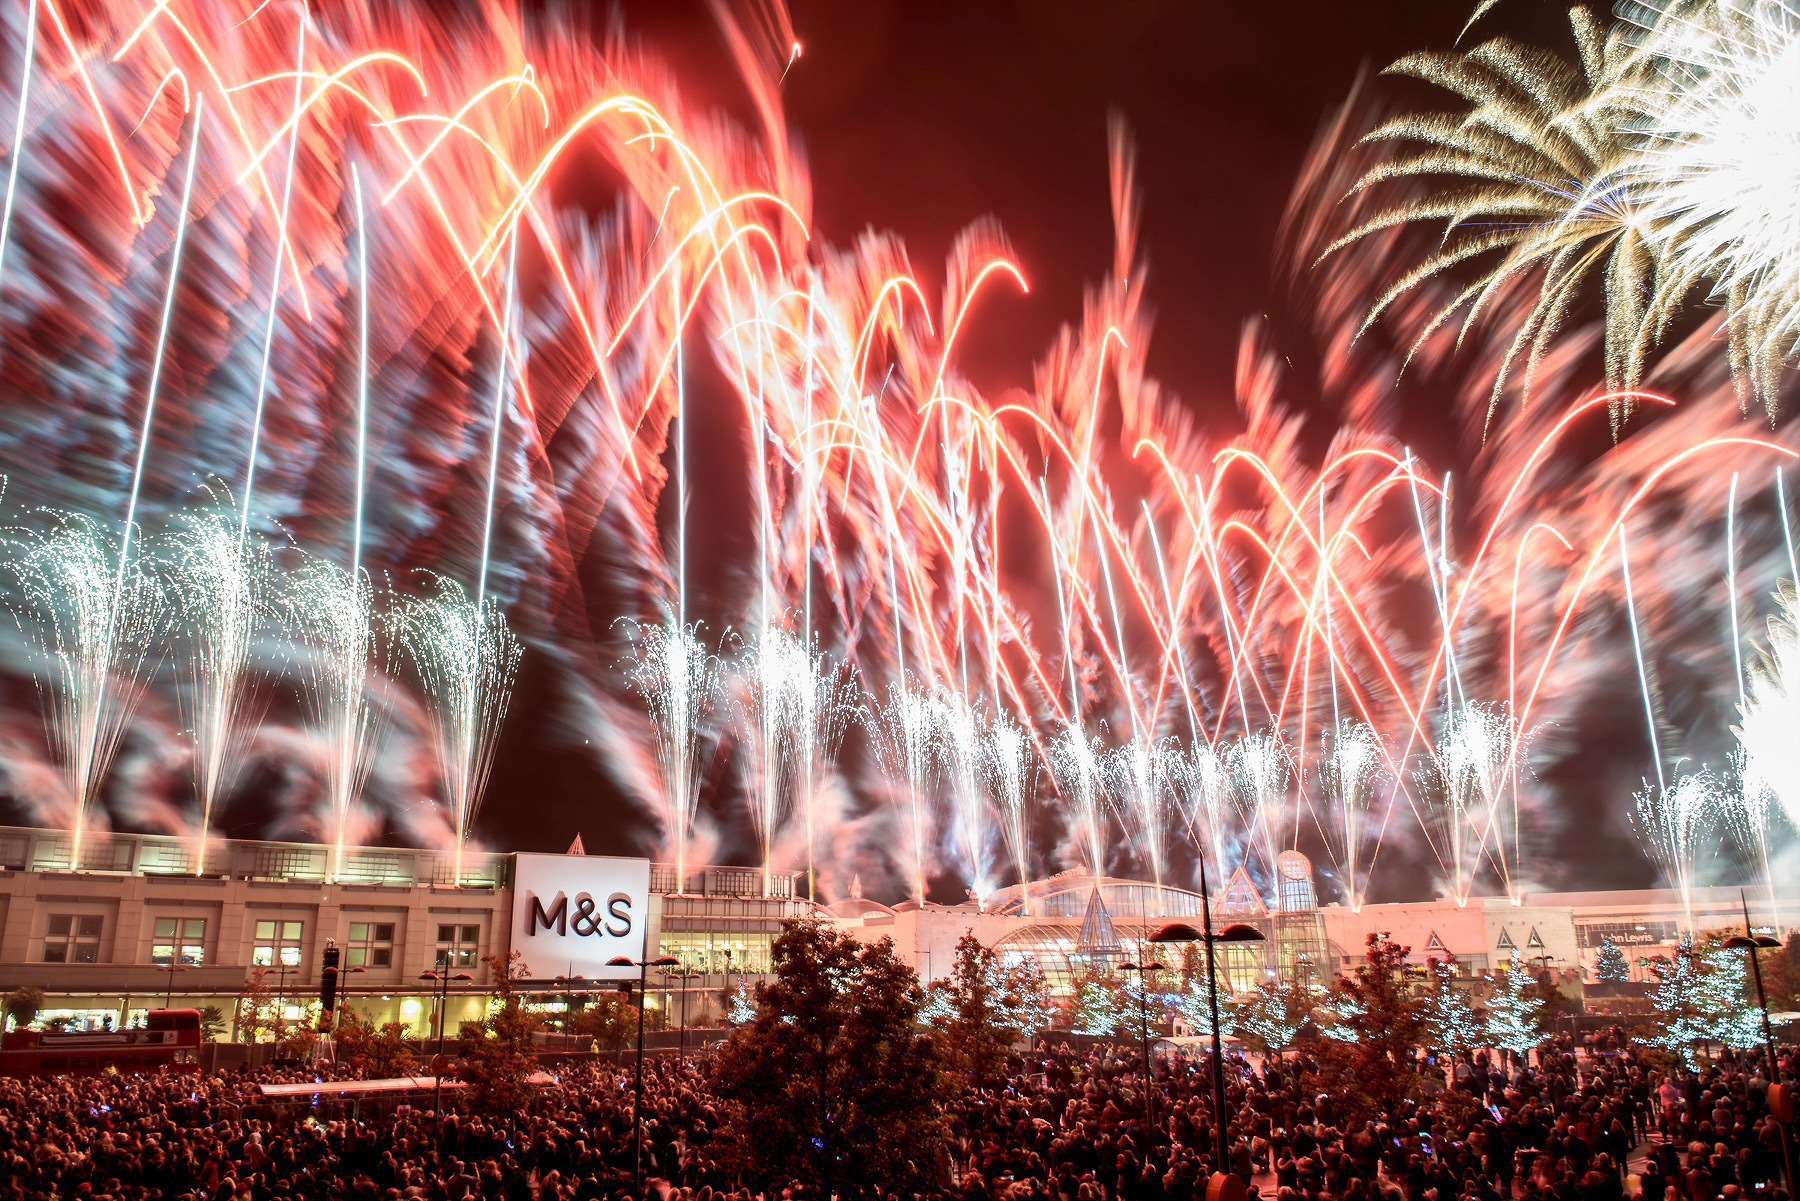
(1597, 1122)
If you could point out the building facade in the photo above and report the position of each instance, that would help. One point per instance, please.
(138, 929)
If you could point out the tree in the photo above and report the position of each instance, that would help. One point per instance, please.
(609, 1020)
(1271, 1017)
(1513, 1021)
(975, 1038)
(1450, 1021)
(256, 1014)
(497, 1050)
(1781, 973)
(1192, 1006)
(742, 1007)
(1025, 998)
(23, 1005)
(1699, 998)
(832, 1082)
(1380, 1025)
(212, 1023)
(1611, 967)
(380, 1049)
(1099, 1005)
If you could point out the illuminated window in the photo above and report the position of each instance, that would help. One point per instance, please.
(180, 938)
(278, 943)
(72, 938)
(371, 945)
(457, 945)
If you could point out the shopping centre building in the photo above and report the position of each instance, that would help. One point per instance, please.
(136, 928)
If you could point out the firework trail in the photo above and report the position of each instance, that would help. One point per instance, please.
(1007, 770)
(1350, 768)
(1769, 765)
(1137, 775)
(1076, 761)
(332, 611)
(1263, 580)
(1676, 823)
(1475, 753)
(224, 588)
(1204, 781)
(1260, 771)
(906, 730)
(466, 658)
(99, 620)
(826, 700)
(679, 682)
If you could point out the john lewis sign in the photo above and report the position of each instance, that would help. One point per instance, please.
(572, 913)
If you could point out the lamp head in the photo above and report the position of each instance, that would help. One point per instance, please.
(1176, 932)
(1239, 932)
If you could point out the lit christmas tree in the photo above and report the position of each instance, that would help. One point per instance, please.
(1611, 967)
(1512, 1013)
(1449, 1019)
(1099, 1008)
(1023, 998)
(939, 1007)
(1271, 1015)
(742, 1010)
(1699, 998)
(1338, 1011)
(1190, 1005)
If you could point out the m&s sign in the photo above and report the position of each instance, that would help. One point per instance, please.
(572, 913)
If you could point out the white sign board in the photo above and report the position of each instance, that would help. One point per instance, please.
(572, 913)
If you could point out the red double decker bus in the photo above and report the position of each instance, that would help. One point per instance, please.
(168, 1038)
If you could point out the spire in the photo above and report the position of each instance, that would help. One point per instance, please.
(1241, 897)
(1097, 934)
(575, 848)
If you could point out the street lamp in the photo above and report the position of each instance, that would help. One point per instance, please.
(682, 973)
(637, 1103)
(1143, 971)
(1750, 943)
(570, 986)
(1225, 1185)
(441, 976)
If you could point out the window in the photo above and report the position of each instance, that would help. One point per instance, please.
(371, 945)
(72, 938)
(277, 944)
(457, 945)
(179, 938)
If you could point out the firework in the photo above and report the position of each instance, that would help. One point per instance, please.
(97, 618)
(819, 698)
(332, 611)
(1526, 190)
(960, 740)
(1770, 762)
(1076, 759)
(1260, 771)
(1676, 823)
(1719, 167)
(1006, 769)
(907, 731)
(1138, 777)
(466, 658)
(1350, 771)
(679, 682)
(1203, 779)
(223, 587)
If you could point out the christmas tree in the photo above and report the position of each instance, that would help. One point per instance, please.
(1512, 1013)
(1099, 1008)
(1700, 999)
(742, 1010)
(1611, 967)
(1271, 1017)
(1339, 1012)
(1190, 1004)
(1450, 1022)
(1024, 998)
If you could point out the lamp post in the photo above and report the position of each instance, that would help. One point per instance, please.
(1750, 943)
(682, 973)
(1224, 1185)
(1143, 971)
(441, 976)
(175, 965)
(637, 1101)
(571, 984)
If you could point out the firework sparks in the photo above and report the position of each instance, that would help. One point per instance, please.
(223, 587)
(1676, 823)
(466, 658)
(679, 682)
(98, 619)
(1350, 772)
